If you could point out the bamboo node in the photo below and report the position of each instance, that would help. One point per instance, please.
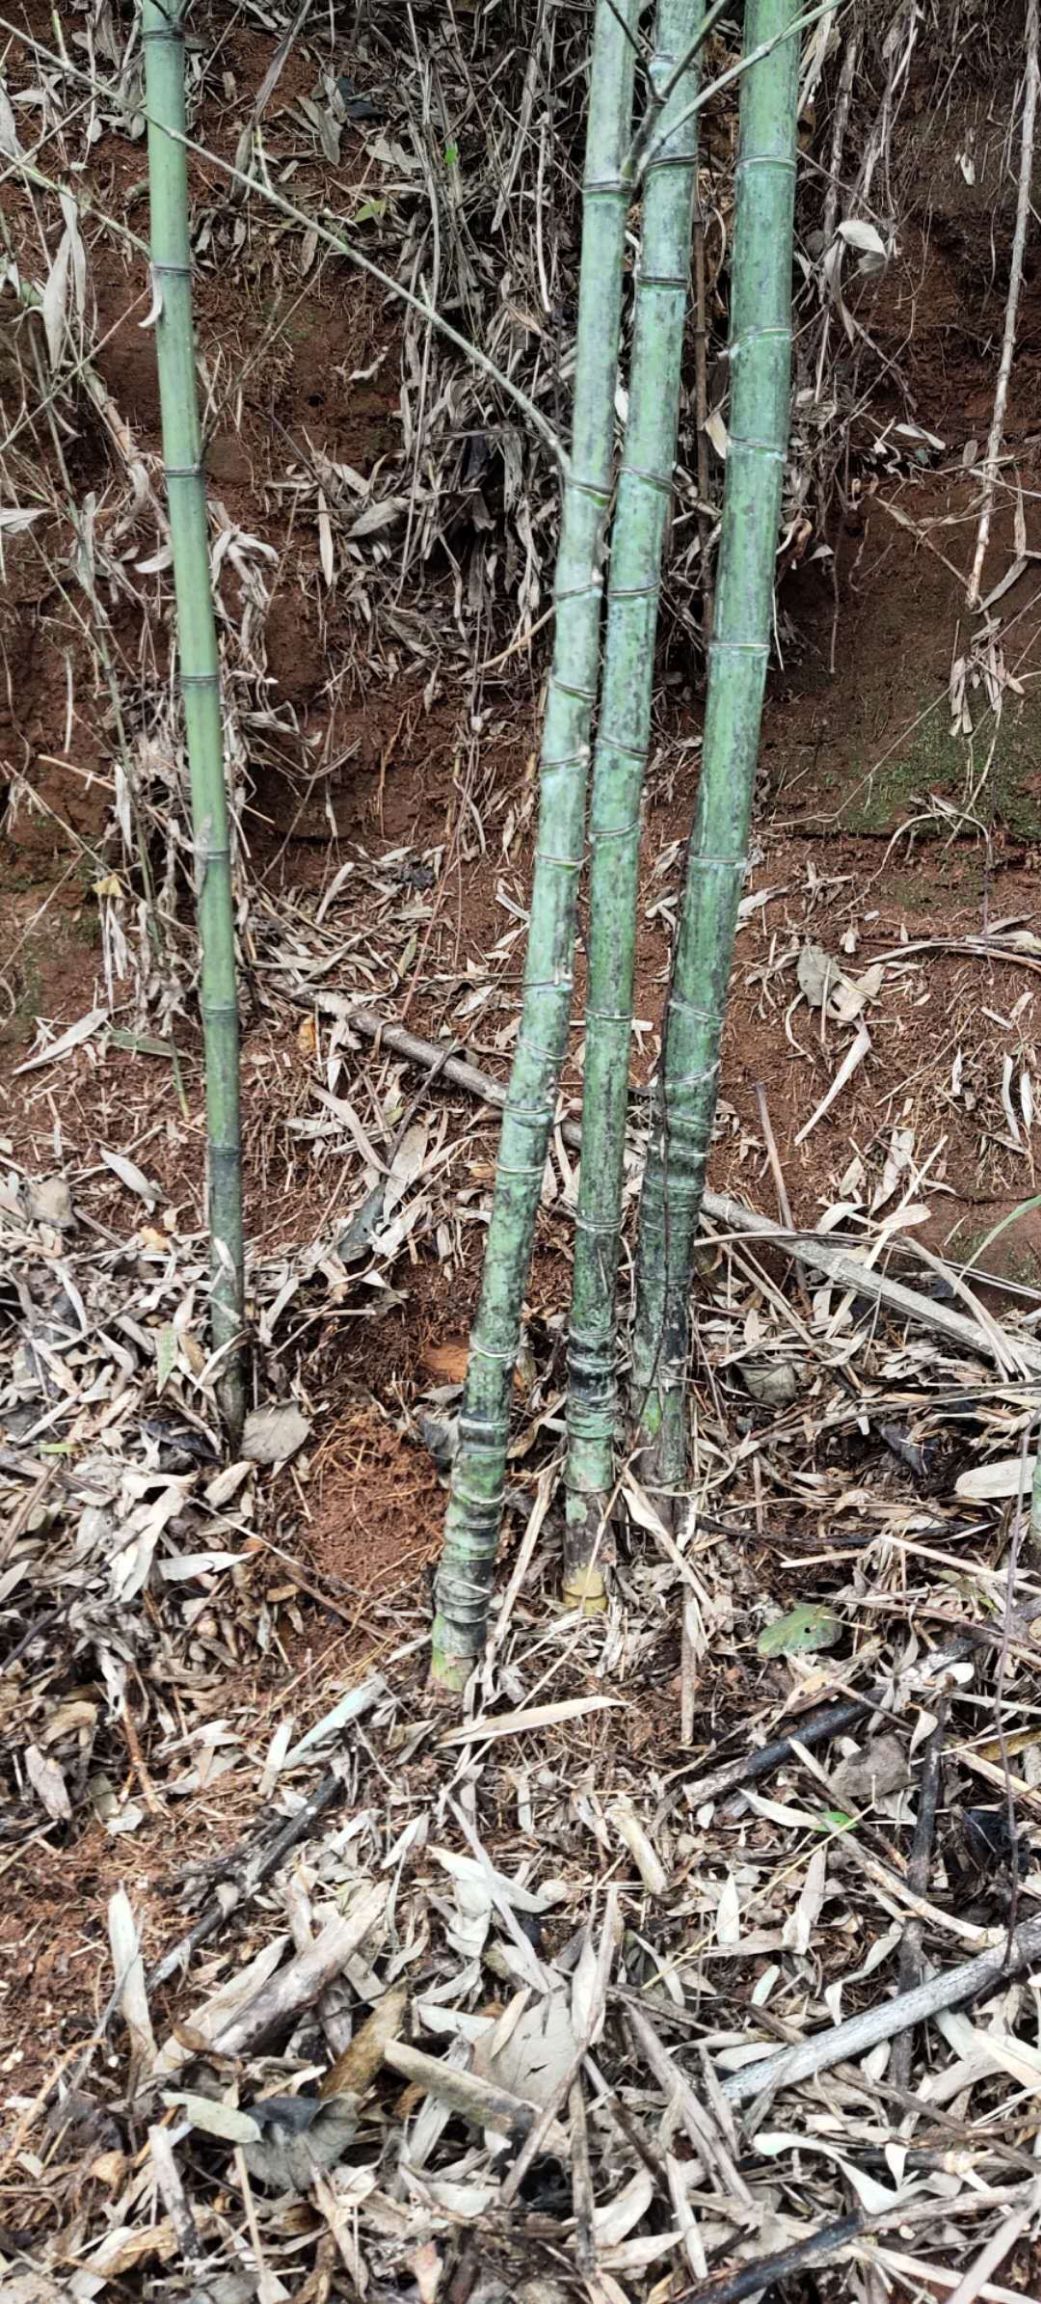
(759, 447)
(662, 481)
(594, 489)
(765, 160)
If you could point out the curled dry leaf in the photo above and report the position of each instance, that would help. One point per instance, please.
(272, 1434)
(48, 1783)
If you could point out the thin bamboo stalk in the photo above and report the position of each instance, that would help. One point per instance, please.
(475, 1506)
(760, 363)
(619, 767)
(1031, 85)
(163, 41)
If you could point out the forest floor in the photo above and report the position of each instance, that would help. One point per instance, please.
(176, 1633)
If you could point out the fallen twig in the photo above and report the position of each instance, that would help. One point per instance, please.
(582, 2199)
(910, 1968)
(699, 2125)
(756, 2279)
(950, 1989)
(832, 2239)
(1000, 2245)
(255, 1871)
(302, 1981)
(477, 2100)
(817, 1728)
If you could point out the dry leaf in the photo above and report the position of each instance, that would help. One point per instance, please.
(271, 1435)
(48, 1783)
(356, 2069)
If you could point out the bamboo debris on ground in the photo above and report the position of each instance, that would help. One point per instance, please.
(303, 1979)
(162, 33)
(638, 534)
(950, 1988)
(760, 358)
(475, 1508)
(985, 1338)
(911, 1965)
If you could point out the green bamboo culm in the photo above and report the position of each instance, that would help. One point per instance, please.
(760, 383)
(475, 1507)
(619, 766)
(199, 664)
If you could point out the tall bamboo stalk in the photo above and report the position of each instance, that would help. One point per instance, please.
(163, 39)
(619, 767)
(475, 1507)
(760, 364)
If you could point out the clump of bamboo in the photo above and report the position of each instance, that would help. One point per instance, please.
(475, 1507)
(163, 39)
(620, 762)
(760, 363)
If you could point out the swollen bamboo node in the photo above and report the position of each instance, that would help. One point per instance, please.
(475, 1507)
(619, 769)
(162, 35)
(760, 354)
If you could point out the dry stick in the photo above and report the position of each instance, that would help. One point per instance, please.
(910, 1970)
(1015, 280)
(256, 1870)
(990, 1342)
(950, 1989)
(994, 2251)
(302, 1981)
(702, 2131)
(581, 2180)
(476, 2100)
(173, 2196)
(756, 2279)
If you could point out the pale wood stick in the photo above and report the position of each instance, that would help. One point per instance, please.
(477, 2100)
(302, 1981)
(950, 1989)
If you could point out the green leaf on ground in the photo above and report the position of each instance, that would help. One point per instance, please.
(802, 1632)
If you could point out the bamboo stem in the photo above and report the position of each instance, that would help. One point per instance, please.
(475, 1506)
(760, 360)
(984, 1338)
(619, 768)
(1032, 81)
(701, 416)
(163, 41)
